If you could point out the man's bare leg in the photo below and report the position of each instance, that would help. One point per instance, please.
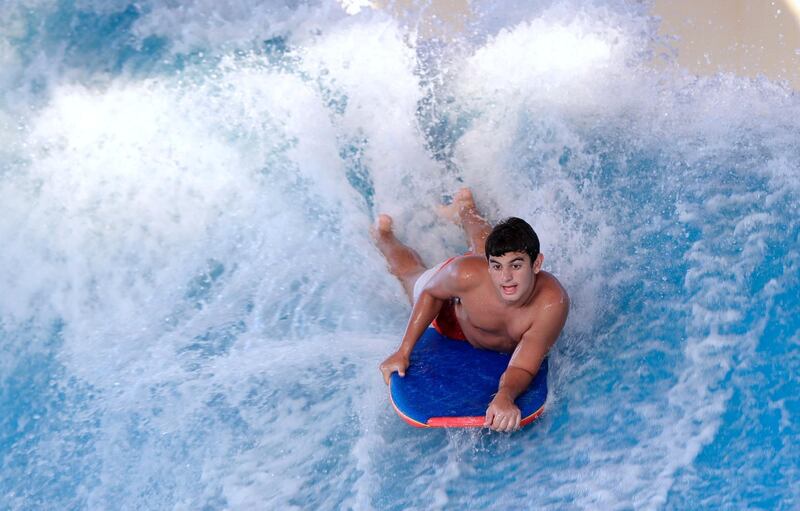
(463, 212)
(404, 263)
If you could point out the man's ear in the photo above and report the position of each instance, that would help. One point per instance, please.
(537, 264)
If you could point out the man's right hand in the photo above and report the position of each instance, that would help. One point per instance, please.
(397, 362)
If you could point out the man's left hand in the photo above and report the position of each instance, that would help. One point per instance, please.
(502, 414)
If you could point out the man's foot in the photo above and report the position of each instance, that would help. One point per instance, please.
(382, 228)
(463, 211)
(462, 202)
(403, 262)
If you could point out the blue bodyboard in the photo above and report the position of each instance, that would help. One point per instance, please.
(449, 383)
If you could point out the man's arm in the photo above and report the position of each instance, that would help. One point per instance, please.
(502, 414)
(449, 282)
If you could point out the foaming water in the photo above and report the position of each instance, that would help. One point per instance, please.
(193, 310)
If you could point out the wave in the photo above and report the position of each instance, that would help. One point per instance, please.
(193, 309)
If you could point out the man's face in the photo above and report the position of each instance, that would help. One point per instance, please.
(513, 275)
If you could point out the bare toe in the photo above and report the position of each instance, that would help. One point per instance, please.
(384, 223)
(464, 195)
(462, 200)
(382, 226)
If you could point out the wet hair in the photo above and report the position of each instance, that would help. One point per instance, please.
(512, 235)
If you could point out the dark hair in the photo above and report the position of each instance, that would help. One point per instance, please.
(512, 235)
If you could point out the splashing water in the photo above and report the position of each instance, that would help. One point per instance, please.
(193, 312)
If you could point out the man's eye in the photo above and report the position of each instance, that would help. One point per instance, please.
(517, 266)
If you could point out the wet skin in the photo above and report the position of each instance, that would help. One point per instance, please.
(509, 305)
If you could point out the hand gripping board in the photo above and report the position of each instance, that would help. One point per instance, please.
(449, 384)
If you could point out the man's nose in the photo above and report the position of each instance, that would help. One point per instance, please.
(506, 274)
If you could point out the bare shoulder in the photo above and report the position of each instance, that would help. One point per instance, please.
(467, 271)
(552, 296)
(470, 268)
(460, 275)
(550, 310)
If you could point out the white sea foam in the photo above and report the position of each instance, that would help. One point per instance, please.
(265, 445)
(374, 68)
(201, 24)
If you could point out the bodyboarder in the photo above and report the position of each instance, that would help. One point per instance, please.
(497, 297)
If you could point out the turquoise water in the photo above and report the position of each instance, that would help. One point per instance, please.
(192, 312)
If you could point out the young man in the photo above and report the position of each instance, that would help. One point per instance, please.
(508, 305)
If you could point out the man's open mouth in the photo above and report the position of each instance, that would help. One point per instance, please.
(509, 290)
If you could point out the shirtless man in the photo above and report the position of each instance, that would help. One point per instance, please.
(508, 305)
